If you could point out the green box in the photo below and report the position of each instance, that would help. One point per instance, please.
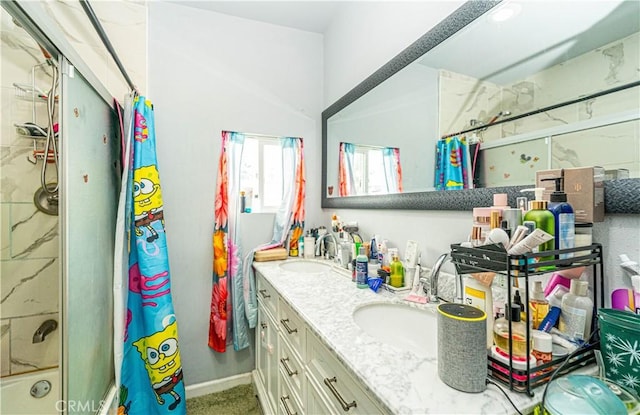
(620, 346)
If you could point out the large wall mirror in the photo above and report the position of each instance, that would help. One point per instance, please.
(532, 85)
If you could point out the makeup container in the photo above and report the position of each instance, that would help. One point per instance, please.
(513, 218)
(583, 236)
(482, 219)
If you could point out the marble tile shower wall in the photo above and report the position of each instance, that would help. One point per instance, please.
(464, 98)
(29, 263)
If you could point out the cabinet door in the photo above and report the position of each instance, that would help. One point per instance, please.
(261, 342)
(267, 295)
(272, 362)
(266, 355)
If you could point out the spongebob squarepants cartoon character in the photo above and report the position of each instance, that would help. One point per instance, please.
(162, 361)
(147, 200)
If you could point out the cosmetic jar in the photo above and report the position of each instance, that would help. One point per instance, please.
(583, 236)
(482, 218)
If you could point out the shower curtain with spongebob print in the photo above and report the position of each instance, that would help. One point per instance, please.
(149, 373)
(233, 295)
(453, 168)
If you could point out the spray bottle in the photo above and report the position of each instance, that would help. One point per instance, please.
(628, 265)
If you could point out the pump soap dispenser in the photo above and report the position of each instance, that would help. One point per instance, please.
(564, 218)
(543, 220)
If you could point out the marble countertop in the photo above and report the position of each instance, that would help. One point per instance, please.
(402, 381)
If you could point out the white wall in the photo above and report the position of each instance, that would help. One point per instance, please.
(366, 35)
(358, 42)
(211, 72)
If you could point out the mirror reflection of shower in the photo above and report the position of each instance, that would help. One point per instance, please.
(45, 137)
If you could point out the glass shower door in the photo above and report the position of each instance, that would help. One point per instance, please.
(90, 186)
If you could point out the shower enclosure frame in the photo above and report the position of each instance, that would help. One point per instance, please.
(89, 175)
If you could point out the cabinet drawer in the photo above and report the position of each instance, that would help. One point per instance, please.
(338, 389)
(288, 402)
(291, 368)
(266, 294)
(292, 328)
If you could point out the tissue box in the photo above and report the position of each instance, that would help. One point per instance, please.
(584, 187)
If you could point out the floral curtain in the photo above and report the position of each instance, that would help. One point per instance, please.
(226, 255)
(346, 184)
(234, 293)
(392, 169)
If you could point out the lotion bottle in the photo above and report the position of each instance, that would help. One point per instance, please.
(565, 222)
(480, 296)
(577, 311)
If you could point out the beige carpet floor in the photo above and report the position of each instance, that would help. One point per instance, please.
(240, 400)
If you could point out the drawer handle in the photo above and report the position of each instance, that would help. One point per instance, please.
(264, 294)
(283, 399)
(290, 372)
(345, 406)
(286, 326)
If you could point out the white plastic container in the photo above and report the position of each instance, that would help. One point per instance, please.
(577, 311)
(309, 246)
(480, 296)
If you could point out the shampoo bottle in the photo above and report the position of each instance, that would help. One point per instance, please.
(577, 311)
(544, 220)
(480, 296)
(565, 222)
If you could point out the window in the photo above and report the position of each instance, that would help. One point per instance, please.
(261, 174)
(369, 174)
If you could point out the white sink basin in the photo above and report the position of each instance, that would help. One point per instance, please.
(402, 326)
(305, 267)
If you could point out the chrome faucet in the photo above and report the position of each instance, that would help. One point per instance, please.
(432, 292)
(45, 328)
(319, 244)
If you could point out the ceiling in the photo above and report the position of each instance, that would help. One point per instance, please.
(310, 16)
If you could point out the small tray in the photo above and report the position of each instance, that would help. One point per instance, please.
(273, 254)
